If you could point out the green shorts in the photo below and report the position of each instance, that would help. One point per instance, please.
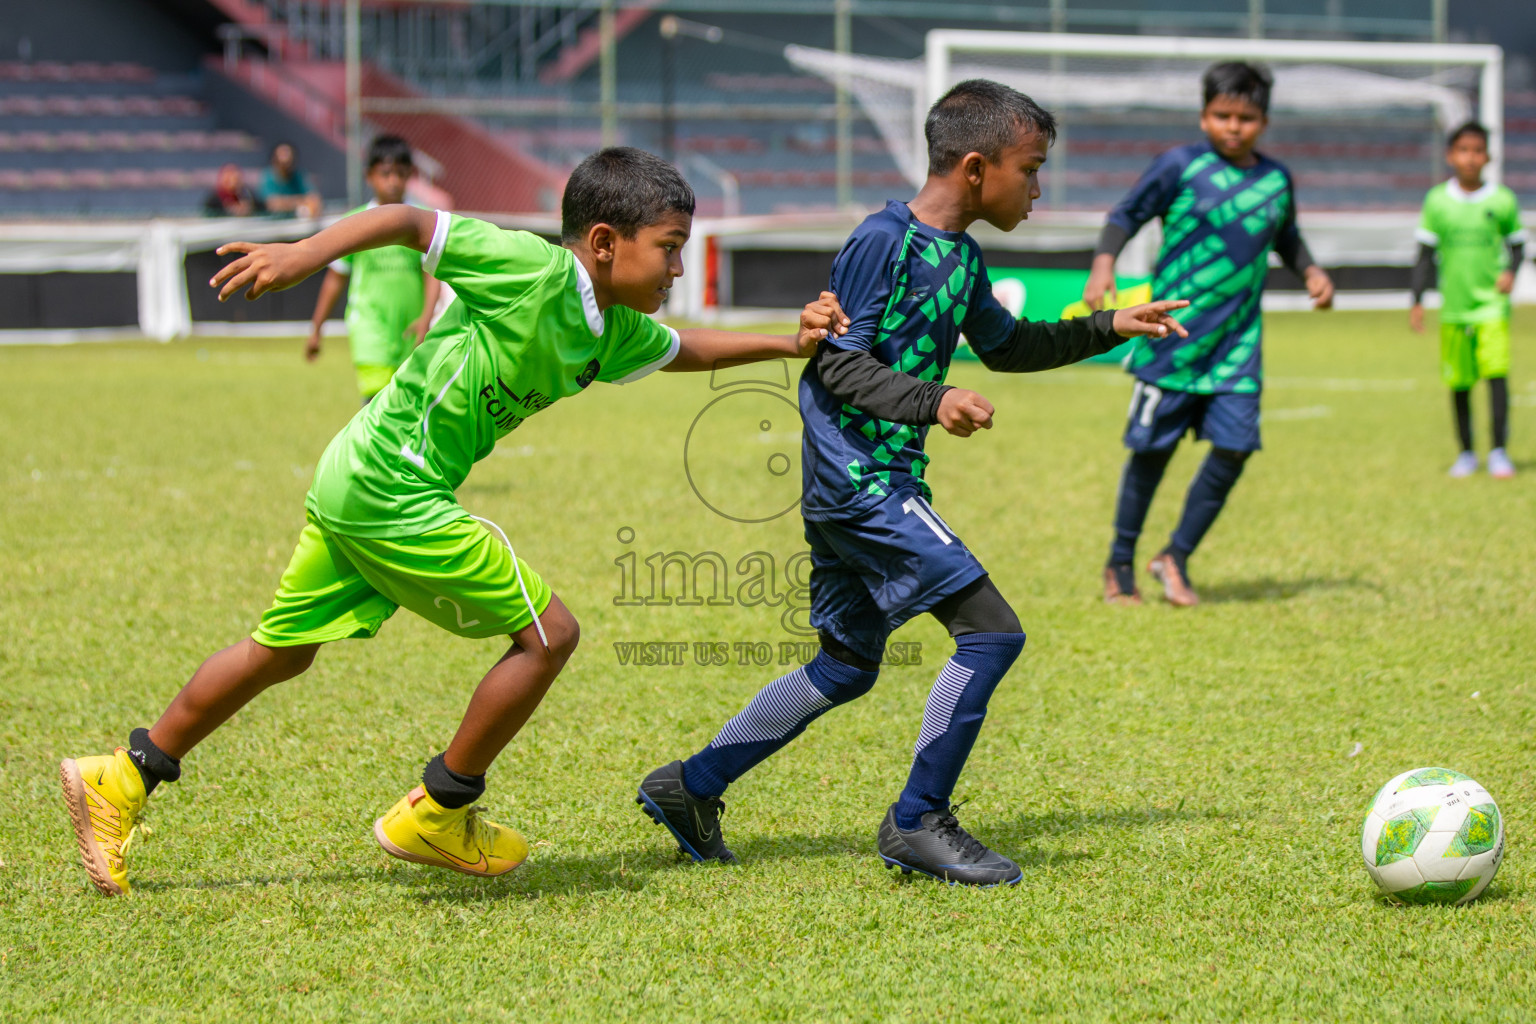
(1470, 352)
(459, 576)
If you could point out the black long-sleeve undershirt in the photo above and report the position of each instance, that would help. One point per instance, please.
(856, 377)
(1422, 278)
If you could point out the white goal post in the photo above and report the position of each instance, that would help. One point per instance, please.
(946, 50)
(1322, 81)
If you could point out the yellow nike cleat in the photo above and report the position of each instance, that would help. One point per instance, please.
(421, 830)
(105, 795)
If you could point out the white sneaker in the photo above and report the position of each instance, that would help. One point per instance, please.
(1466, 464)
(1499, 466)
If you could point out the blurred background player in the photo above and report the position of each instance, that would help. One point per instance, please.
(1224, 207)
(390, 298)
(1471, 225)
(911, 280)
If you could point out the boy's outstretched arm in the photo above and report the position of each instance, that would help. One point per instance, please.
(704, 349)
(1035, 346)
(278, 265)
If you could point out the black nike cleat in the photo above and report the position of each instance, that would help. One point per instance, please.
(693, 821)
(942, 849)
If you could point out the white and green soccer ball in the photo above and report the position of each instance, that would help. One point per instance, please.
(1433, 835)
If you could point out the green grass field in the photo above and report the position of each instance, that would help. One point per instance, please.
(1179, 785)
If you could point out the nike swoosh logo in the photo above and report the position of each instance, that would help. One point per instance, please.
(698, 826)
(101, 775)
(479, 865)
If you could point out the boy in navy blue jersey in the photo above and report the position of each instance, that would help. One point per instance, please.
(1224, 207)
(910, 280)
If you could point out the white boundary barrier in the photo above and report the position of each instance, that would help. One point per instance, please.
(156, 251)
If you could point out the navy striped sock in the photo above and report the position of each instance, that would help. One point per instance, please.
(956, 708)
(780, 712)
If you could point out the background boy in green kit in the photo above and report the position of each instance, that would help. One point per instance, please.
(390, 298)
(533, 323)
(1471, 224)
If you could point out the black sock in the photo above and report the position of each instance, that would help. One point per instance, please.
(155, 765)
(1207, 496)
(1138, 483)
(1462, 401)
(448, 787)
(1498, 409)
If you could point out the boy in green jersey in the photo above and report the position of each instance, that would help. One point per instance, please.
(533, 323)
(390, 298)
(1471, 225)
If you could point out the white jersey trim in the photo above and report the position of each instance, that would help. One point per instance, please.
(1517, 237)
(588, 298)
(434, 251)
(1457, 192)
(1427, 236)
(652, 367)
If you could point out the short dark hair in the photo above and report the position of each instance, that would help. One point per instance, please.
(389, 149)
(1469, 128)
(623, 187)
(978, 116)
(1251, 82)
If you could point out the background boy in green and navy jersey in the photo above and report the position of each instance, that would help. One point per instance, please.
(390, 297)
(533, 324)
(911, 280)
(1475, 228)
(1224, 207)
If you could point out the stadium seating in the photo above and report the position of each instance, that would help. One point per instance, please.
(89, 139)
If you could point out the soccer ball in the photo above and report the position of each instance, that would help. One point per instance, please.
(1432, 835)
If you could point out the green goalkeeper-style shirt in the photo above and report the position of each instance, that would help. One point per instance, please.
(1471, 231)
(523, 333)
(385, 292)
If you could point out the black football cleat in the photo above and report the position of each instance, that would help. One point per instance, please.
(693, 821)
(942, 849)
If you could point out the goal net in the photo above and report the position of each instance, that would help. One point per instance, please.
(1361, 125)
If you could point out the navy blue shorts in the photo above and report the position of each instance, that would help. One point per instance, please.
(876, 569)
(1158, 419)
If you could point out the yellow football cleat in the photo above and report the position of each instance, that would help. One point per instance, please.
(105, 795)
(421, 830)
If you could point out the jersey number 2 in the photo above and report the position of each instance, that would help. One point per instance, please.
(458, 613)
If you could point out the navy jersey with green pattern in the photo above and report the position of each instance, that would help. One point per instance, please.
(909, 291)
(1219, 224)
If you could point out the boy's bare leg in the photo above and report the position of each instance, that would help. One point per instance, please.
(512, 690)
(222, 685)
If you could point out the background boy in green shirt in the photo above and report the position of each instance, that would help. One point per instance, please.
(1471, 224)
(533, 323)
(390, 298)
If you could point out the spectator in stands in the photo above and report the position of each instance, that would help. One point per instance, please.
(285, 189)
(231, 196)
